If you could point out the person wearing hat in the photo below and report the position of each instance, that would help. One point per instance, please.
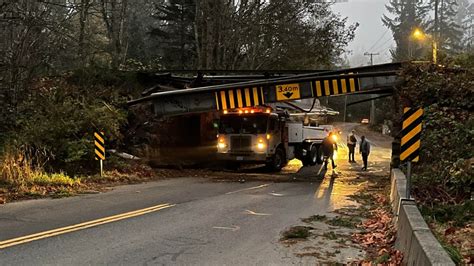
(351, 144)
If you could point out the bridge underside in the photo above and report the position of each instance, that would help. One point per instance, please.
(364, 80)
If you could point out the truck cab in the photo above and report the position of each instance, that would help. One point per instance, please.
(264, 135)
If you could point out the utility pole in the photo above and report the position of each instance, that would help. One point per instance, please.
(372, 103)
(371, 56)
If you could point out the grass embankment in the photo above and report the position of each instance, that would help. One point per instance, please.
(22, 179)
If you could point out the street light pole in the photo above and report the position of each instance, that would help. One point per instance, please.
(420, 35)
(435, 52)
(372, 103)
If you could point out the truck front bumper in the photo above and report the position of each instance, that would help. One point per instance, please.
(248, 157)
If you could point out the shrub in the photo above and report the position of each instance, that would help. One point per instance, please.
(444, 172)
(60, 119)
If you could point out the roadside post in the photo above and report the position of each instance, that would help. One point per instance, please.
(99, 141)
(411, 140)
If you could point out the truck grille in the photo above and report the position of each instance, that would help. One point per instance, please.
(240, 143)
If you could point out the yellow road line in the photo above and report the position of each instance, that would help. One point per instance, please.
(80, 226)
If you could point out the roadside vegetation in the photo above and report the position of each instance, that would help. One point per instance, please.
(443, 179)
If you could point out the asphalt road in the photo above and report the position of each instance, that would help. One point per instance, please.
(205, 223)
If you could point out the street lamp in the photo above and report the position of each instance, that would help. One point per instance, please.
(419, 35)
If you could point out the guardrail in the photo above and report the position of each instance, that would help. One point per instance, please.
(414, 237)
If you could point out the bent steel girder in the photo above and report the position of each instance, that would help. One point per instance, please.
(266, 91)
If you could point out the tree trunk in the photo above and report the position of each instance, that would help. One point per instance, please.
(83, 13)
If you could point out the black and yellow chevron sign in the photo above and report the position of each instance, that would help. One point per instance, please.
(411, 134)
(337, 86)
(99, 141)
(237, 98)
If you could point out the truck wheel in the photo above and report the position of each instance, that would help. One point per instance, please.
(313, 155)
(277, 162)
(320, 156)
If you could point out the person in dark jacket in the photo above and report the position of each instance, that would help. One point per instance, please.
(364, 149)
(351, 144)
(329, 145)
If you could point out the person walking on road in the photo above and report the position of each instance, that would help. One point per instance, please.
(364, 149)
(351, 144)
(329, 145)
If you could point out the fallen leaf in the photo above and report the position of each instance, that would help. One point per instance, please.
(449, 231)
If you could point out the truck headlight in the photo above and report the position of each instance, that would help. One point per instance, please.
(261, 145)
(221, 144)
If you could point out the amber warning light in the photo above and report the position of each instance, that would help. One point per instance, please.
(247, 111)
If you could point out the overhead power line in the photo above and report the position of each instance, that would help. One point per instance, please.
(380, 38)
(382, 44)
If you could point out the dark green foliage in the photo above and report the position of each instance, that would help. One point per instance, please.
(350, 222)
(297, 232)
(461, 213)
(314, 218)
(407, 16)
(59, 118)
(453, 253)
(445, 172)
(175, 34)
(446, 30)
(330, 235)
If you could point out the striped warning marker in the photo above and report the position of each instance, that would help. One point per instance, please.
(342, 85)
(99, 142)
(237, 98)
(411, 134)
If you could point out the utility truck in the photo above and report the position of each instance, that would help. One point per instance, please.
(266, 135)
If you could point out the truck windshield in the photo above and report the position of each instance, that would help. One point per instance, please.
(243, 124)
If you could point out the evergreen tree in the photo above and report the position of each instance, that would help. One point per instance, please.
(465, 18)
(408, 14)
(444, 27)
(175, 33)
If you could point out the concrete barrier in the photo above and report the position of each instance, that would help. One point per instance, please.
(414, 238)
(398, 189)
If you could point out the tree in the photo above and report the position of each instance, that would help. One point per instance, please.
(444, 27)
(35, 37)
(465, 18)
(115, 17)
(408, 15)
(175, 33)
(269, 35)
(141, 46)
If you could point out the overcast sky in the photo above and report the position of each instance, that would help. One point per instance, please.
(371, 35)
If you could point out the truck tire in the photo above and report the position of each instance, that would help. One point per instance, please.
(311, 156)
(320, 156)
(277, 162)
